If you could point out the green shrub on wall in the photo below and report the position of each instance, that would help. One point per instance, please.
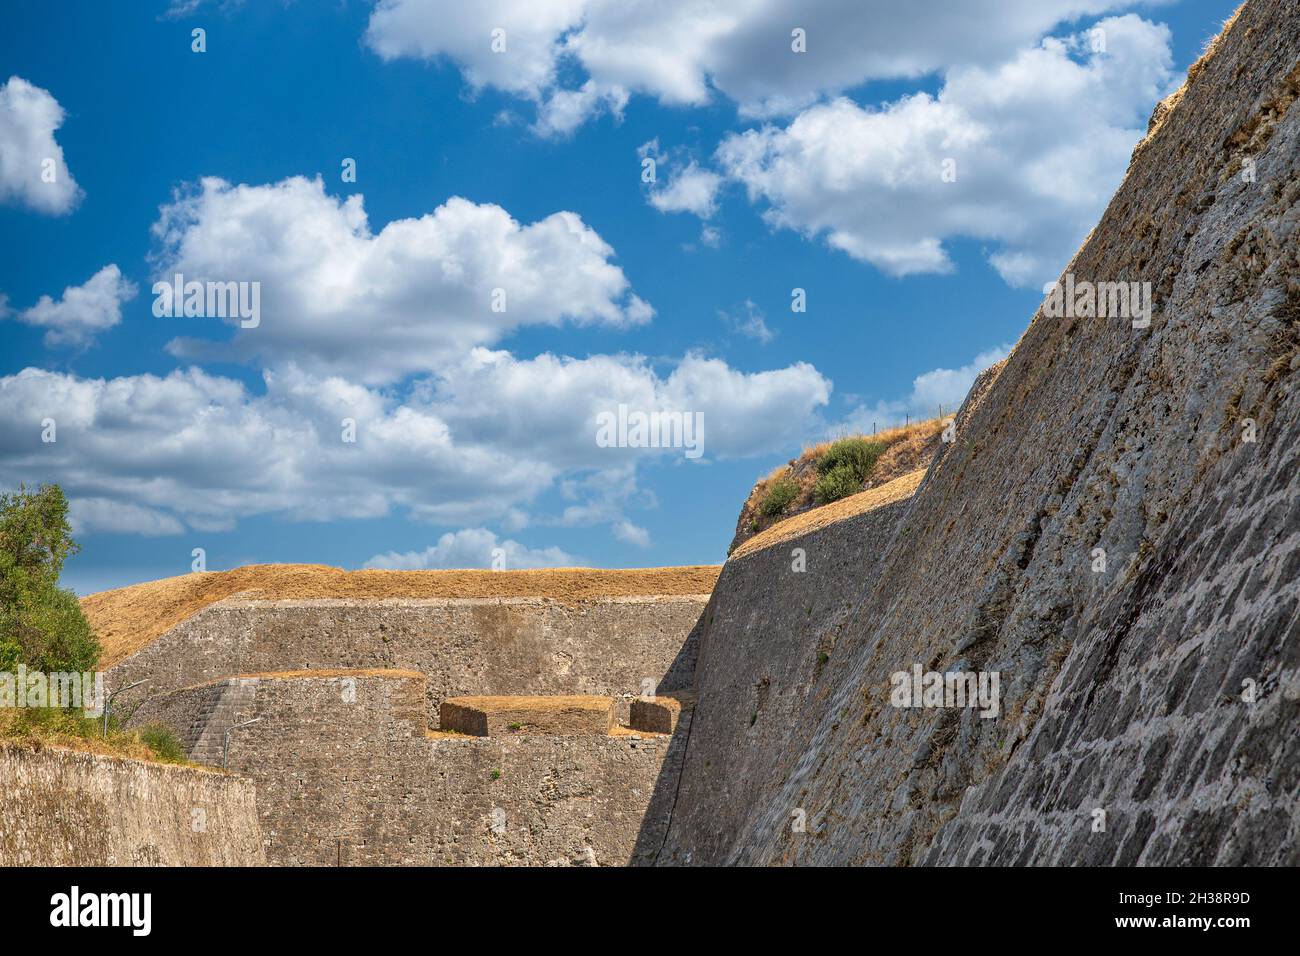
(836, 484)
(844, 467)
(779, 495)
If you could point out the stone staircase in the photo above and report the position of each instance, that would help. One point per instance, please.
(232, 702)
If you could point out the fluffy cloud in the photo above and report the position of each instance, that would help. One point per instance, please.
(480, 443)
(554, 402)
(749, 321)
(632, 534)
(474, 548)
(565, 110)
(120, 517)
(871, 181)
(29, 116)
(464, 32)
(381, 333)
(339, 299)
(679, 51)
(83, 310)
(693, 189)
(203, 449)
(938, 388)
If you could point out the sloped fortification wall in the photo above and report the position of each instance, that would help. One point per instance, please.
(346, 775)
(1122, 688)
(69, 808)
(464, 646)
(767, 656)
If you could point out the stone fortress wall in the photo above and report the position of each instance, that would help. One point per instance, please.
(1149, 702)
(463, 646)
(64, 807)
(347, 758)
(347, 773)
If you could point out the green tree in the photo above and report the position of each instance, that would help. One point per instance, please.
(41, 624)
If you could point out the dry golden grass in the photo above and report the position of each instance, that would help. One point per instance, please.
(807, 521)
(889, 436)
(541, 703)
(617, 731)
(129, 619)
(333, 672)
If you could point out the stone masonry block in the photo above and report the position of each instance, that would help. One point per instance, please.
(659, 715)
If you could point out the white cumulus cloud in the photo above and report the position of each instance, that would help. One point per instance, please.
(554, 402)
(682, 51)
(474, 548)
(337, 298)
(693, 189)
(481, 443)
(1038, 144)
(84, 310)
(120, 517)
(32, 169)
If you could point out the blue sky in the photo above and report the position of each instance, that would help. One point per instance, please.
(774, 170)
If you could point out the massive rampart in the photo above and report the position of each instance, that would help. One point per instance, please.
(63, 807)
(347, 774)
(334, 709)
(463, 646)
(1115, 532)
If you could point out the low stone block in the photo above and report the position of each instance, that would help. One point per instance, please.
(659, 715)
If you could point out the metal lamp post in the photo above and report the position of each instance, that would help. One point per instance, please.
(225, 750)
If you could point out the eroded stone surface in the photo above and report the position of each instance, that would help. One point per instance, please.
(1127, 691)
(346, 774)
(68, 808)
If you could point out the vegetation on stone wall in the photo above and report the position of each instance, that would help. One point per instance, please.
(833, 470)
(845, 467)
(43, 629)
(779, 494)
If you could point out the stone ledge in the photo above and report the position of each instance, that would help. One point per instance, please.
(567, 716)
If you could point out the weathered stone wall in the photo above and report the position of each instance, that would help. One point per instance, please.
(69, 808)
(1161, 689)
(767, 657)
(465, 647)
(346, 774)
